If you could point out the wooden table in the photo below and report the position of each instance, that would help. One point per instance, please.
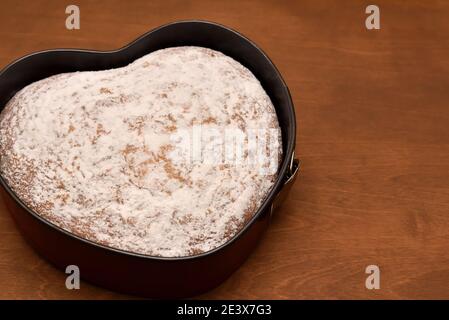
(373, 117)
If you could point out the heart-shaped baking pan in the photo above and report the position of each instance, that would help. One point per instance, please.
(128, 272)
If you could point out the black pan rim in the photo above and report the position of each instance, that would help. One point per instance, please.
(276, 188)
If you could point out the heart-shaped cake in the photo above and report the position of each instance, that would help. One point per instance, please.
(169, 156)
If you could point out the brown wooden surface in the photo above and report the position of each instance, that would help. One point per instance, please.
(373, 115)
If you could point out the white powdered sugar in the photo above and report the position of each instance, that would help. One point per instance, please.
(95, 152)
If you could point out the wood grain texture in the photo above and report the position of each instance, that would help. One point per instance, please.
(373, 135)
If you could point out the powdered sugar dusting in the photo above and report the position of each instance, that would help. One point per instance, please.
(92, 151)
